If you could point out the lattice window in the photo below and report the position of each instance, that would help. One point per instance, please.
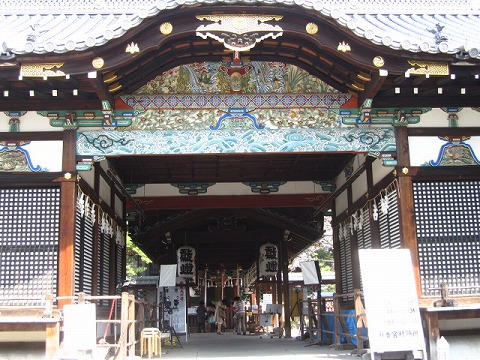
(84, 247)
(346, 260)
(119, 265)
(364, 233)
(104, 265)
(389, 224)
(29, 233)
(448, 233)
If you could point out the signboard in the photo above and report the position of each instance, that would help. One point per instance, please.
(311, 272)
(394, 321)
(174, 300)
(80, 327)
(267, 299)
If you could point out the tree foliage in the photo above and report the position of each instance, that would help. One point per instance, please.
(136, 259)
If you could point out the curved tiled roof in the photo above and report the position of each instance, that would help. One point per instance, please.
(59, 26)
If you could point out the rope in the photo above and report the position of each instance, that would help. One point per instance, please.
(103, 340)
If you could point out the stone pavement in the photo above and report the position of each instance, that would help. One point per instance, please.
(232, 347)
(206, 346)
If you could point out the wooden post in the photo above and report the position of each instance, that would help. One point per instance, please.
(286, 289)
(337, 313)
(66, 242)
(360, 317)
(406, 206)
(124, 319)
(374, 227)
(52, 343)
(432, 332)
(131, 328)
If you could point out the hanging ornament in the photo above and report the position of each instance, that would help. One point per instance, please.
(360, 219)
(340, 232)
(102, 223)
(92, 214)
(87, 208)
(355, 221)
(384, 204)
(351, 225)
(375, 211)
(81, 204)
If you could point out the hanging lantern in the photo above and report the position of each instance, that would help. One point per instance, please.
(186, 262)
(268, 260)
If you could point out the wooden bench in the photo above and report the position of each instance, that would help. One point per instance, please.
(433, 317)
(30, 323)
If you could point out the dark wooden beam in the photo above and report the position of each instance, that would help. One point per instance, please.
(9, 104)
(101, 89)
(372, 88)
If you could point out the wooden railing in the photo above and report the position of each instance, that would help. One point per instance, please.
(131, 321)
(359, 316)
(314, 323)
(15, 315)
(30, 314)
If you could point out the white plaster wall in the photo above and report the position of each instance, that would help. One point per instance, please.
(359, 187)
(219, 189)
(31, 121)
(104, 192)
(341, 203)
(439, 118)
(118, 207)
(88, 176)
(380, 171)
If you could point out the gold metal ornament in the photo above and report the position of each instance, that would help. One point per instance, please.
(42, 70)
(132, 48)
(166, 28)
(431, 68)
(98, 63)
(311, 28)
(378, 61)
(239, 32)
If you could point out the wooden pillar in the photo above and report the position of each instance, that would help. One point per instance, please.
(432, 330)
(68, 197)
(406, 206)
(96, 233)
(336, 254)
(286, 287)
(374, 226)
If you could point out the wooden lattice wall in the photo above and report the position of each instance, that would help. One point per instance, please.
(29, 233)
(447, 218)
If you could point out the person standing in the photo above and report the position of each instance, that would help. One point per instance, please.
(201, 316)
(220, 315)
(239, 308)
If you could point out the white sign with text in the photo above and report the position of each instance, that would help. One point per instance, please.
(391, 302)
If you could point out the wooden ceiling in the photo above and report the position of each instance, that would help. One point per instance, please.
(223, 168)
(352, 72)
(252, 220)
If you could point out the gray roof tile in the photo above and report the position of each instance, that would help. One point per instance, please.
(46, 26)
